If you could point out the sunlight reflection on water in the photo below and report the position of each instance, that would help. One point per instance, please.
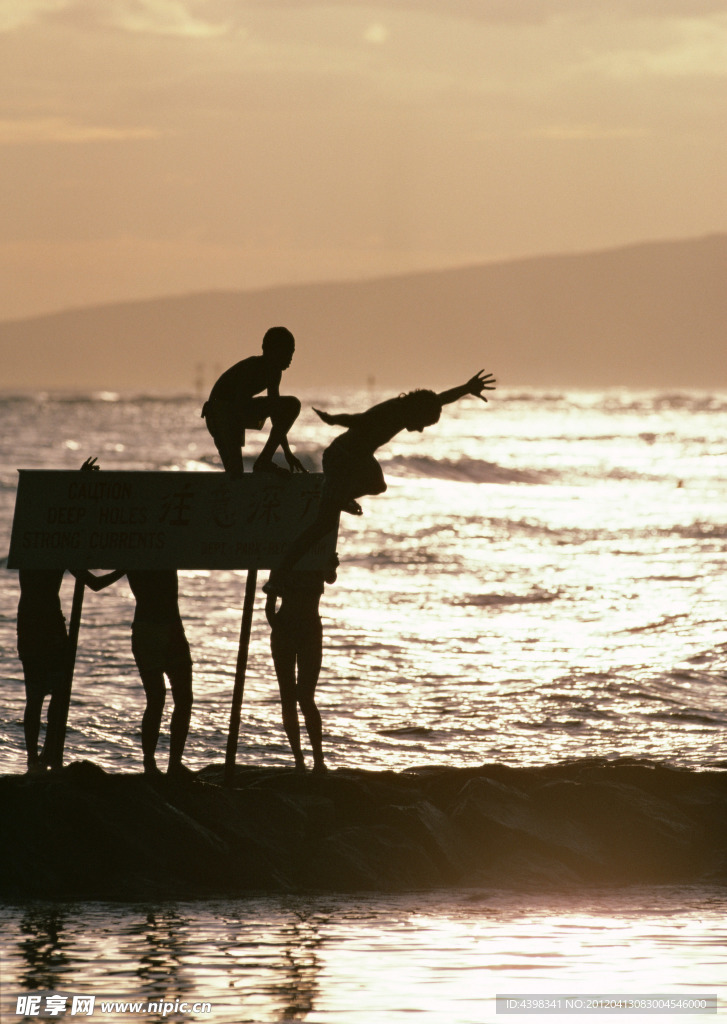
(443, 957)
(543, 580)
(506, 620)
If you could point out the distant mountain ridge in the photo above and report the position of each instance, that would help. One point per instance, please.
(646, 315)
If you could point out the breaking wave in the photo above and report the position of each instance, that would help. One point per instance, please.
(473, 471)
(503, 600)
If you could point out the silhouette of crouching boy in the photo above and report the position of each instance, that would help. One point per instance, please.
(236, 404)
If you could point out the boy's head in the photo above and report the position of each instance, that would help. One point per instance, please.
(278, 346)
(423, 408)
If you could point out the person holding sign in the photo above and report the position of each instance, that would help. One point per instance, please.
(349, 466)
(44, 651)
(234, 406)
(296, 643)
(159, 645)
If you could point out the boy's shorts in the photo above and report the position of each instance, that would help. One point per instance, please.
(227, 423)
(299, 626)
(298, 581)
(43, 680)
(45, 665)
(160, 646)
(229, 418)
(341, 468)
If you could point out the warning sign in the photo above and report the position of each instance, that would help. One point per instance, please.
(162, 520)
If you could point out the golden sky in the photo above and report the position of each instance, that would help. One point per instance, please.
(153, 147)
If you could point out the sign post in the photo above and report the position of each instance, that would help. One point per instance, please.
(165, 520)
(240, 672)
(73, 630)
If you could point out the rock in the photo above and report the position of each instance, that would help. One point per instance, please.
(85, 833)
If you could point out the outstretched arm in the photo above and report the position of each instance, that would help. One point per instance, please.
(97, 583)
(474, 386)
(343, 419)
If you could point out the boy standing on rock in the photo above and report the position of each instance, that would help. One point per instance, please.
(234, 406)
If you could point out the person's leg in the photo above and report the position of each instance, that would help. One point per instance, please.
(148, 647)
(52, 753)
(180, 681)
(153, 682)
(231, 456)
(283, 648)
(310, 654)
(283, 413)
(31, 725)
(228, 435)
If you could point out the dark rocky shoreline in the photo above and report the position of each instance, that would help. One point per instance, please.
(83, 833)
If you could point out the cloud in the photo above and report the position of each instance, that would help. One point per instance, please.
(16, 13)
(209, 18)
(164, 17)
(513, 11)
(694, 47)
(154, 17)
(59, 129)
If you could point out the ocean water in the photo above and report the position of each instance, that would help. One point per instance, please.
(543, 581)
(440, 958)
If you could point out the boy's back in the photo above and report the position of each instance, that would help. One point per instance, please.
(156, 592)
(244, 380)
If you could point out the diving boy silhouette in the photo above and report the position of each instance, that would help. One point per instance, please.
(349, 467)
(234, 406)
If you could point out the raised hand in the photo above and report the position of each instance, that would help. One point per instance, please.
(480, 382)
(90, 464)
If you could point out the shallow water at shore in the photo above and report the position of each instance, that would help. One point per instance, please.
(442, 958)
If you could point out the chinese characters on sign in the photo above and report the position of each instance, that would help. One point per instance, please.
(161, 520)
